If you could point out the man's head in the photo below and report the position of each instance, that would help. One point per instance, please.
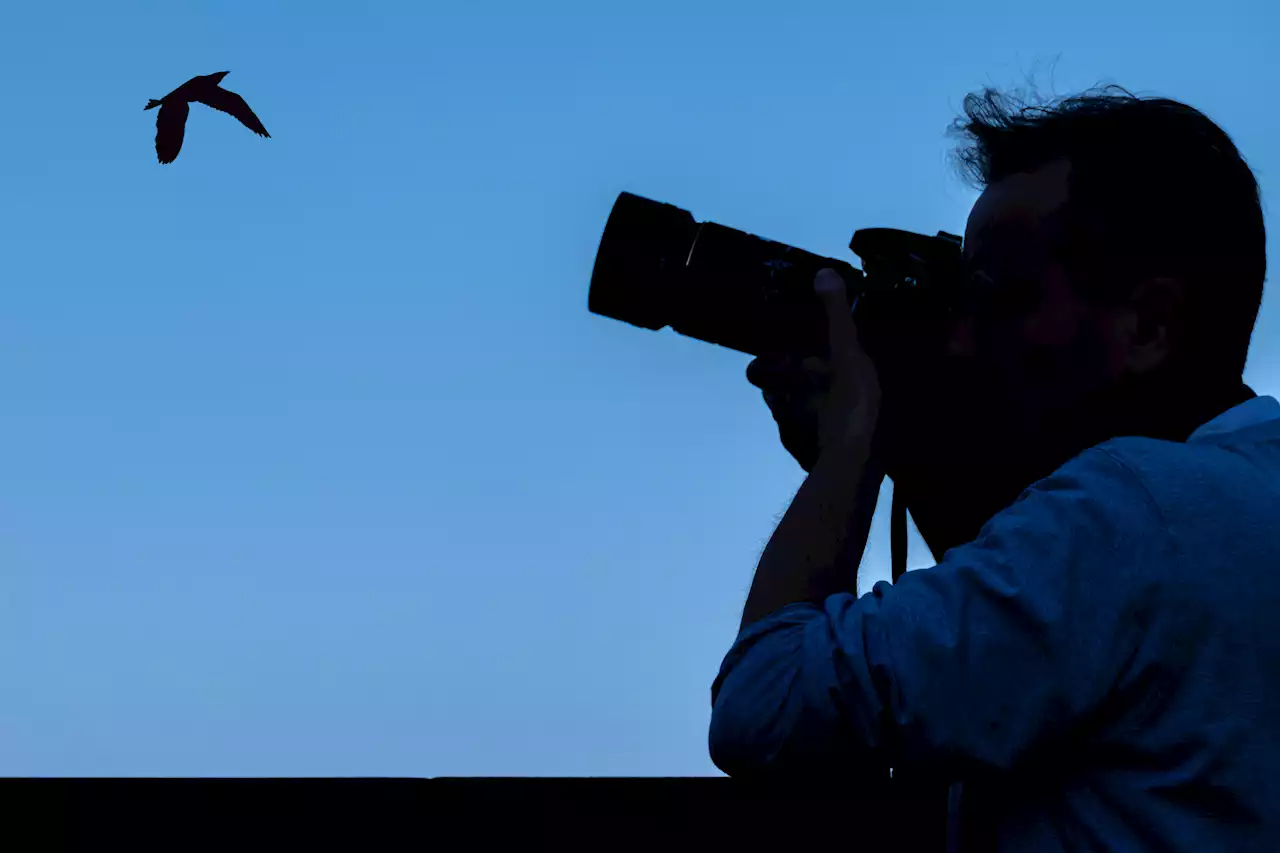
(1118, 245)
(1116, 259)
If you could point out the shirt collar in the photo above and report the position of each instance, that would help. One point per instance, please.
(1255, 410)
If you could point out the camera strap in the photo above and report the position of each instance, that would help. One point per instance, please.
(898, 535)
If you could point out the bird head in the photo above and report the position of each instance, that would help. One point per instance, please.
(217, 78)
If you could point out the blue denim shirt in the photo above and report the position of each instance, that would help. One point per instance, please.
(1100, 668)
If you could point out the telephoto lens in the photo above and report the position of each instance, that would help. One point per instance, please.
(658, 267)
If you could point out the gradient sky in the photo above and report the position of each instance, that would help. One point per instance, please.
(314, 461)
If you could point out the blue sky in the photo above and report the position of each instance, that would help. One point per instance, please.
(315, 461)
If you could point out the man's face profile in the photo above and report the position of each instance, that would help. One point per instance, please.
(1025, 359)
(1030, 346)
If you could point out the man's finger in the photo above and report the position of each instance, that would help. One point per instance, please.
(830, 288)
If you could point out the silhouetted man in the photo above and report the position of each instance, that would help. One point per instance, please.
(171, 121)
(1093, 662)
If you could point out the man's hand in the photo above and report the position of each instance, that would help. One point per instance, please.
(826, 412)
(819, 403)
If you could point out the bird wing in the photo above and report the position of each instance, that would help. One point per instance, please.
(234, 105)
(171, 125)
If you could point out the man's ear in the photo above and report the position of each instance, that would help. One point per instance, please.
(1154, 313)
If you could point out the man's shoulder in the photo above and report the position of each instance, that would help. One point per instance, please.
(1137, 458)
(1219, 460)
(1201, 479)
(1095, 503)
(1108, 479)
(1134, 495)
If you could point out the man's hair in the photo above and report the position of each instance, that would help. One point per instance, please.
(1155, 189)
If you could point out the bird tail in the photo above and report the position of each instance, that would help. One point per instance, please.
(151, 104)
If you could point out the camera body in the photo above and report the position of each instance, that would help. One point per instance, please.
(657, 267)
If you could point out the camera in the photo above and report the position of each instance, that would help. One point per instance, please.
(657, 267)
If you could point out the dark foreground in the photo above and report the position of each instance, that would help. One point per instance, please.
(468, 813)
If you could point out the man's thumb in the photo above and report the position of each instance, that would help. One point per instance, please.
(830, 288)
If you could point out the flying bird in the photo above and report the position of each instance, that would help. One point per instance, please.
(171, 121)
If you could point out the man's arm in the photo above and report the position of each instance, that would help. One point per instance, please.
(1011, 639)
(816, 549)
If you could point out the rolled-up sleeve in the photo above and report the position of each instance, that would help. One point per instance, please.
(1004, 644)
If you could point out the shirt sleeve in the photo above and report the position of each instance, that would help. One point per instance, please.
(999, 648)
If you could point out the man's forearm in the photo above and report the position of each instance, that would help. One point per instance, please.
(817, 546)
